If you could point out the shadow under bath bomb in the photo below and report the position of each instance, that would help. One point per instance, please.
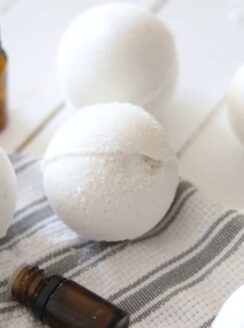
(110, 172)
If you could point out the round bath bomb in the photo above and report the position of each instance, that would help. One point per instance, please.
(8, 193)
(235, 98)
(110, 173)
(231, 313)
(117, 52)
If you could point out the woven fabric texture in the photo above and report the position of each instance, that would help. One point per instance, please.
(177, 276)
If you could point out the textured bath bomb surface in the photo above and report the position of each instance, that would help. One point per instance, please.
(110, 173)
(231, 314)
(117, 52)
(235, 98)
(8, 193)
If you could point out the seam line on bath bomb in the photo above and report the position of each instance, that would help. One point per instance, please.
(144, 157)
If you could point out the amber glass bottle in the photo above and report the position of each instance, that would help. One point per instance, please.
(62, 303)
(3, 87)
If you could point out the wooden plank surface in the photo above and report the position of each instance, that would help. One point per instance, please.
(214, 161)
(208, 54)
(210, 47)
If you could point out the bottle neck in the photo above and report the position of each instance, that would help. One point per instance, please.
(27, 284)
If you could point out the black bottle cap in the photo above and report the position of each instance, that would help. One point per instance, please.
(39, 305)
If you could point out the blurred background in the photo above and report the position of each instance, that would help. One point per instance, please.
(209, 37)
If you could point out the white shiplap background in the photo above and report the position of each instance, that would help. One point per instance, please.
(209, 36)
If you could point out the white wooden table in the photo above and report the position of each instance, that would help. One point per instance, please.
(209, 37)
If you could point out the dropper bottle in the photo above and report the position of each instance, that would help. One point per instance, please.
(62, 303)
(3, 87)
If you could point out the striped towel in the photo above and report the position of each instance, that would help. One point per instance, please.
(178, 275)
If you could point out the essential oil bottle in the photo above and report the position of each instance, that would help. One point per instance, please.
(3, 87)
(62, 303)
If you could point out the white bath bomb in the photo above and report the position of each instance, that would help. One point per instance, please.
(8, 193)
(117, 52)
(235, 98)
(231, 314)
(110, 173)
